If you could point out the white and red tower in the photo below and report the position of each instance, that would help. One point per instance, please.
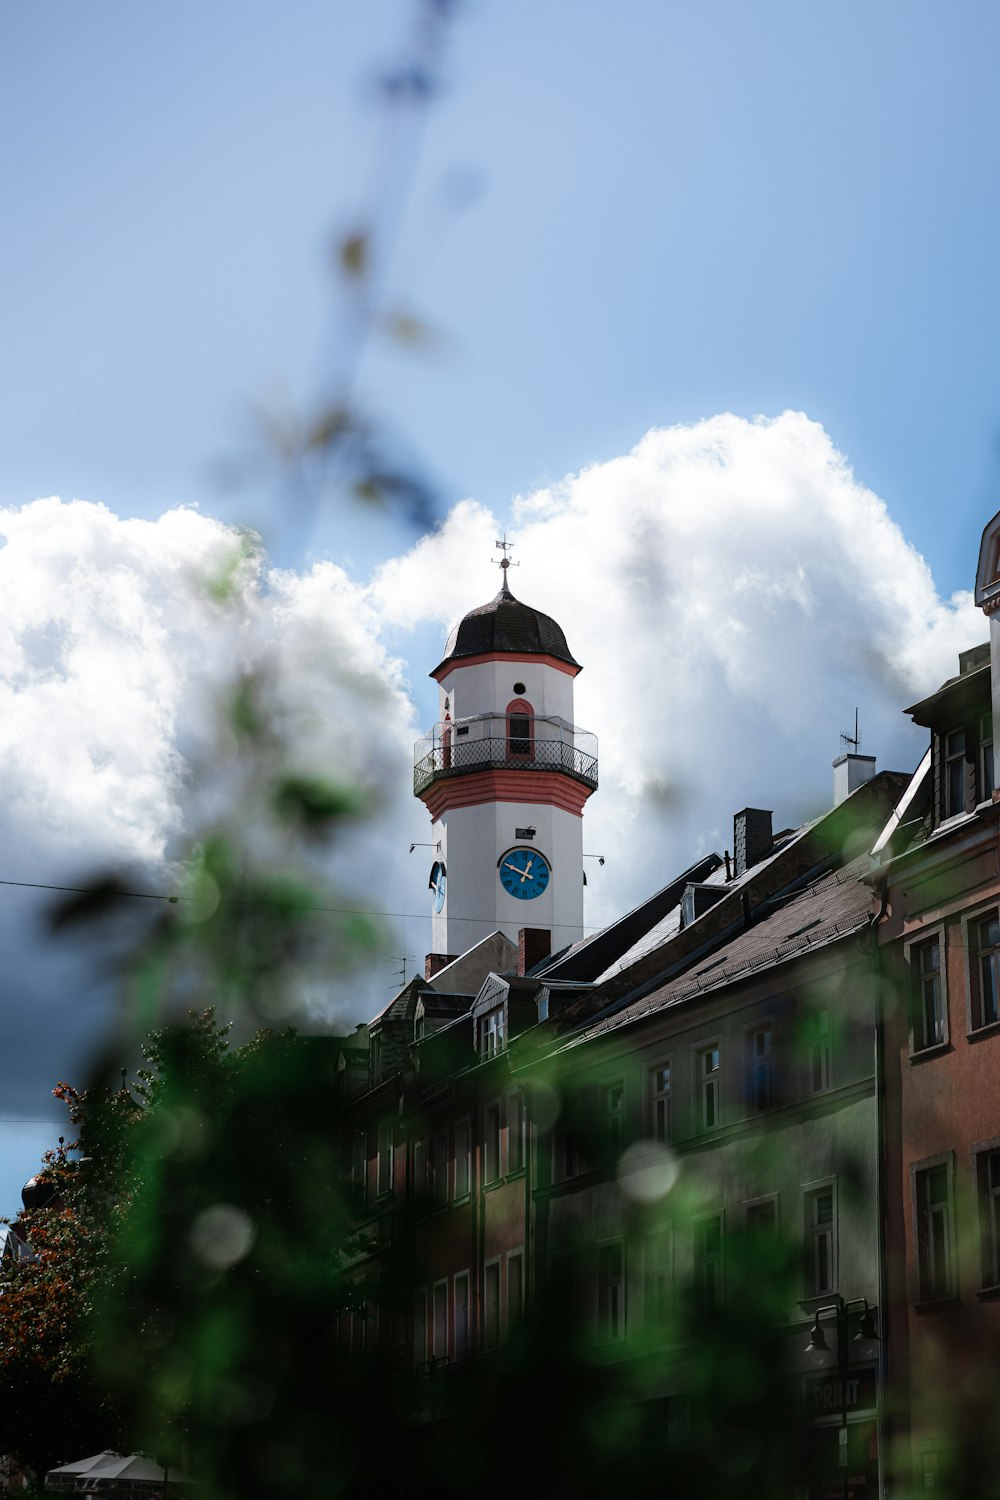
(505, 774)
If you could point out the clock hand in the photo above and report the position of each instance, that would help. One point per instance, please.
(508, 866)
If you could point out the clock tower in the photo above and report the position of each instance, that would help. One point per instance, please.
(505, 774)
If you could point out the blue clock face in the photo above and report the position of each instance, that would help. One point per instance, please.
(524, 873)
(438, 884)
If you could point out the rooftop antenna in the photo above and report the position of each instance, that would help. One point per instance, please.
(505, 561)
(404, 959)
(855, 740)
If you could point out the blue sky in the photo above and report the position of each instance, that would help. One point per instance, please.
(622, 217)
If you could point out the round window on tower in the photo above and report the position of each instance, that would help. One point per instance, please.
(519, 687)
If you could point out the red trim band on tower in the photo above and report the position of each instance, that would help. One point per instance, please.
(454, 662)
(545, 787)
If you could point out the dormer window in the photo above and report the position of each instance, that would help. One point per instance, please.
(491, 1033)
(954, 772)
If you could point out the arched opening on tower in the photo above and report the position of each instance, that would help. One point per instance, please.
(520, 730)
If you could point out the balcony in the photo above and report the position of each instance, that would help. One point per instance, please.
(484, 744)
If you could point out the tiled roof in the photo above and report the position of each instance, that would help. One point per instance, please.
(831, 908)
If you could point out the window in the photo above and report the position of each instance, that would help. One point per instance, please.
(515, 1289)
(659, 1102)
(463, 1159)
(762, 1217)
(659, 1276)
(613, 1117)
(954, 773)
(760, 1046)
(516, 1132)
(820, 1241)
(491, 1033)
(928, 996)
(439, 1327)
(491, 1142)
(420, 1170)
(709, 1060)
(819, 1051)
(519, 729)
(441, 1169)
(708, 1262)
(359, 1169)
(935, 1232)
(988, 1191)
(420, 1326)
(461, 1315)
(491, 1305)
(611, 1292)
(988, 942)
(385, 1156)
(564, 1158)
(986, 757)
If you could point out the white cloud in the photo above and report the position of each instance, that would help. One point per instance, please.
(730, 587)
(733, 592)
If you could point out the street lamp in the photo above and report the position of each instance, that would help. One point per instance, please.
(817, 1345)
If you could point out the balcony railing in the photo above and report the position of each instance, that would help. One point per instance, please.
(464, 747)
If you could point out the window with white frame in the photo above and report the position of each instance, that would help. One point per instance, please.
(491, 1033)
(515, 1289)
(461, 1334)
(709, 1066)
(439, 1326)
(463, 1159)
(760, 1068)
(954, 773)
(820, 1240)
(611, 1291)
(988, 1192)
(708, 1262)
(441, 1169)
(516, 1131)
(613, 1117)
(491, 1305)
(928, 1021)
(660, 1122)
(385, 1156)
(420, 1326)
(491, 1142)
(935, 1231)
(659, 1269)
(819, 1051)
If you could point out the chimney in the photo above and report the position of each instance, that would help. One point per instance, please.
(533, 944)
(850, 772)
(752, 838)
(435, 962)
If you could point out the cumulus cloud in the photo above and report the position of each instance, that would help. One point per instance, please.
(731, 588)
(734, 593)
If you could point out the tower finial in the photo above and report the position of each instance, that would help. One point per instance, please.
(505, 561)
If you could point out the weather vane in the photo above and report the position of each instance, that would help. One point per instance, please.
(505, 561)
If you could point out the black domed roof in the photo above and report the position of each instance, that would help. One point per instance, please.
(37, 1192)
(505, 624)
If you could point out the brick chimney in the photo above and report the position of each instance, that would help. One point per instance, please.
(752, 838)
(533, 944)
(435, 962)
